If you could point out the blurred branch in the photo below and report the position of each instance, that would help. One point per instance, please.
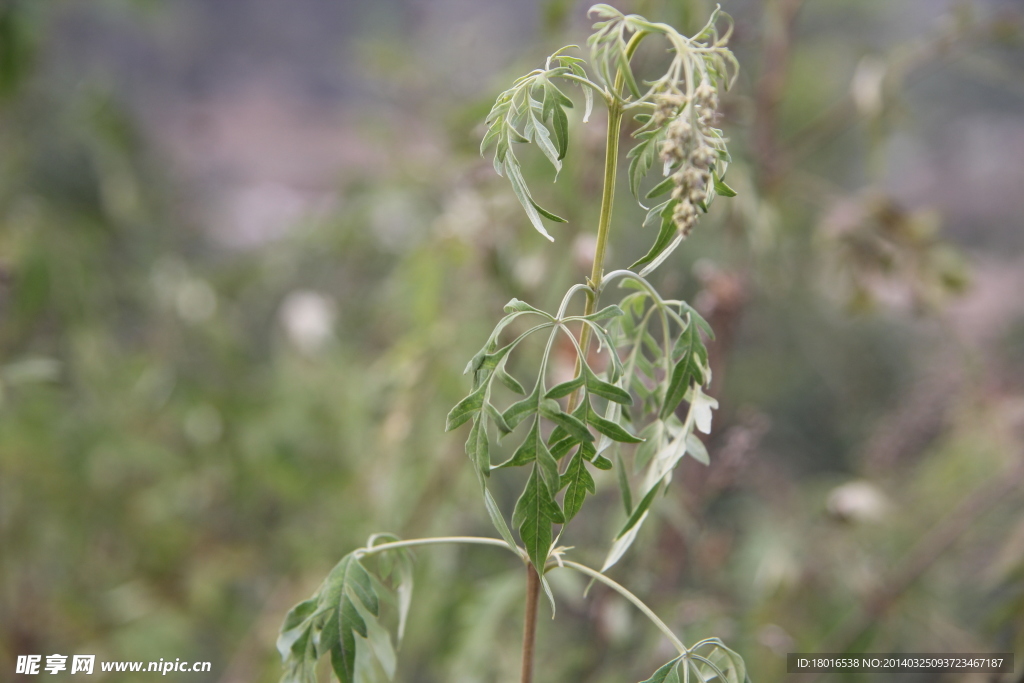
(843, 113)
(779, 20)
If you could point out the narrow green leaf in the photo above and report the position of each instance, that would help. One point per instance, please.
(560, 124)
(561, 448)
(359, 581)
(612, 311)
(509, 381)
(523, 194)
(499, 421)
(605, 390)
(350, 618)
(610, 429)
(588, 95)
(498, 520)
(478, 447)
(547, 214)
(465, 409)
(577, 482)
(329, 631)
(298, 614)
(627, 73)
(572, 425)
(639, 510)
(343, 658)
(687, 371)
(565, 388)
(664, 238)
(517, 306)
(542, 136)
(520, 410)
(722, 189)
(534, 514)
(661, 188)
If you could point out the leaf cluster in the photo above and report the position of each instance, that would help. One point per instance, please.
(708, 660)
(573, 427)
(534, 110)
(343, 619)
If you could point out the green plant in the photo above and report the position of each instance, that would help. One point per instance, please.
(619, 415)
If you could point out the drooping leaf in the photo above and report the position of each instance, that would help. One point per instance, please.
(478, 447)
(520, 410)
(465, 409)
(522, 193)
(641, 508)
(723, 189)
(664, 238)
(509, 381)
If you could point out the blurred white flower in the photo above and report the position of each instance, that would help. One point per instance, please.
(308, 319)
(858, 501)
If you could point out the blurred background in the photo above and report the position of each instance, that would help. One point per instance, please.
(247, 247)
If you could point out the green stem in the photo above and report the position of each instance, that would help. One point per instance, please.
(637, 602)
(475, 540)
(611, 163)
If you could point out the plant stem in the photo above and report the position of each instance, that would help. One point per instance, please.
(611, 162)
(475, 540)
(637, 602)
(530, 622)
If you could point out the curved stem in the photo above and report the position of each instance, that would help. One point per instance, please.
(474, 540)
(637, 602)
(583, 81)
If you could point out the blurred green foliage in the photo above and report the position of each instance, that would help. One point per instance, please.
(184, 451)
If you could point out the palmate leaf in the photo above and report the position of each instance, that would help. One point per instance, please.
(539, 106)
(342, 620)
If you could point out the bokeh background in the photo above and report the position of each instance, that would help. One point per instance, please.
(246, 248)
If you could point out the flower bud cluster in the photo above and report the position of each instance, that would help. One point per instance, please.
(686, 150)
